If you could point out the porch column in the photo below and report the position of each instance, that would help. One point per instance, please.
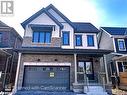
(106, 70)
(75, 61)
(17, 74)
(117, 68)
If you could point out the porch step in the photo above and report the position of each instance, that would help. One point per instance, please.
(97, 93)
(94, 90)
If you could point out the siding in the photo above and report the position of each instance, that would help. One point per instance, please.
(5, 39)
(106, 42)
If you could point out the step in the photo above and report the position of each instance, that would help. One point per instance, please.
(96, 93)
(94, 89)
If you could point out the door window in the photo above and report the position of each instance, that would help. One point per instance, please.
(84, 68)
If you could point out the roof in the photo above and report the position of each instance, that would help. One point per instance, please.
(3, 24)
(43, 10)
(85, 27)
(59, 13)
(50, 15)
(58, 50)
(5, 28)
(78, 26)
(115, 30)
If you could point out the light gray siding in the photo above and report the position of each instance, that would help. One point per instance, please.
(106, 42)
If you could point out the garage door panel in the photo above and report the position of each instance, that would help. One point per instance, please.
(47, 77)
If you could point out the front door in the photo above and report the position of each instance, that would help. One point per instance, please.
(85, 69)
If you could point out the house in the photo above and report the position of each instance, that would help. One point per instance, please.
(59, 55)
(9, 41)
(115, 39)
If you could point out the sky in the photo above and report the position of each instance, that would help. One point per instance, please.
(111, 13)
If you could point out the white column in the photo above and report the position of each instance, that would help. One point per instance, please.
(75, 61)
(106, 69)
(17, 74)
(117, 68)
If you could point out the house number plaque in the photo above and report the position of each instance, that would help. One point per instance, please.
(51, 74)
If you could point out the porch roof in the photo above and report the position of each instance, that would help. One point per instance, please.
(121, 58)
(58, 50)
(3, 53)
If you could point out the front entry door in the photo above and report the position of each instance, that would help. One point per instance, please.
(86, 69)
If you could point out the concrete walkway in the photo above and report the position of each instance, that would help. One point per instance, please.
(43, 93)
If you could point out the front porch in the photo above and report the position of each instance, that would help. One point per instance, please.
(121, 70)
(90, 71)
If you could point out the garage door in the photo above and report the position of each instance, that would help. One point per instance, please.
(46, 78)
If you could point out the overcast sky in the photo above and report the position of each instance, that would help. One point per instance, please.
(98, 12)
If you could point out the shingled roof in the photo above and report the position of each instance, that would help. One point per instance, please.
(85, 27)
(116, 30)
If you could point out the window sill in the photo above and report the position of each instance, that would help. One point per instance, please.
(66, 45)
(122, 50)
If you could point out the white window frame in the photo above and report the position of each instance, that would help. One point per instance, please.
(124, 45)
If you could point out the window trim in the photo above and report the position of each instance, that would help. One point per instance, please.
(80, 35)
(123, 44)
(68, 38)
(38, 40)
(93, 43)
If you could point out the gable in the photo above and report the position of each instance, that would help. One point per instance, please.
(43, 19)
(51, 11)
(36, 15)
(54, 11)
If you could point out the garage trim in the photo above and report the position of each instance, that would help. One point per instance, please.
(47, 66)
(47, 63)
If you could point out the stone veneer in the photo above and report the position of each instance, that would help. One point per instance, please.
(55, 42)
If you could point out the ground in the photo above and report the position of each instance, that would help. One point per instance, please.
(118, 92)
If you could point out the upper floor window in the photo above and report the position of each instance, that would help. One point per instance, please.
(78, 40)
(0, 37)
(65, 37)
(121, 45)
(90, 40)
(42, 37)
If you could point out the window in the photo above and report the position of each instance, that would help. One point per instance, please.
(65, 36)
(42, 37)
(90, 40)
(121, 45)
(0, 37)
(78, 39)
(122, 66)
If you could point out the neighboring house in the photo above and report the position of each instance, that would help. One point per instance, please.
(9, 40)
(115, 38)
(59, 55)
